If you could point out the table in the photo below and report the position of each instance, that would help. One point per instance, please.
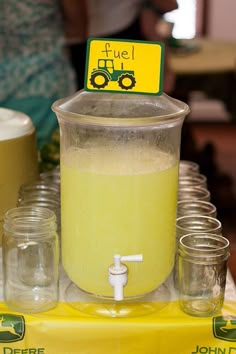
(210, 68)
(65, 330)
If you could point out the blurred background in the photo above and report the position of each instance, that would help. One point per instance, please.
(203, 57)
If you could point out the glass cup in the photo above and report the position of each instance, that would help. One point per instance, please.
(39, 188)
(42, 194)
(194, 224)
(44, 201)
(202, 269)
(197, 223)
(30, 259)
(196, 207)
(187, 168)
(197, 180)
(193, 192)
(51, 176)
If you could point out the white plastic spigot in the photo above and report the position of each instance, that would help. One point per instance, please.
(118, 273)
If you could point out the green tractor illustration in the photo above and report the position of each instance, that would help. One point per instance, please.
(106, 72)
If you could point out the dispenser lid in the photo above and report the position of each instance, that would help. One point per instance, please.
(14, 124)
(122, 108)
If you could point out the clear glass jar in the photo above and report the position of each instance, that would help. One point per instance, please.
(51, 176)
(193, 192)
(202, 269)
(196, 207)
(197, 223)
(42, 188)
(43, 194)
(187, 168)
(198, 180)
(194, 224)
(30, 259)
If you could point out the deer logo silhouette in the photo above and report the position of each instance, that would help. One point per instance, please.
(224, 327)
(228, 326)
(12, 328)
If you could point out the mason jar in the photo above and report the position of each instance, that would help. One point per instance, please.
(30, 259)
(197, 223)
(39, 188)
(193, 192)
(196, 207)
(187, 168)
(43, 194)
(202, 269)
(194, 224)
(198, 180)
(51, 176)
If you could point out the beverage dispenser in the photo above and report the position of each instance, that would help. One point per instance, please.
(119, 179)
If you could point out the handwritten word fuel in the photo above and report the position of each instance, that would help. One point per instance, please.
(120, 54)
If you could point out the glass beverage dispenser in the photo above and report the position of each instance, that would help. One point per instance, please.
(119, 180)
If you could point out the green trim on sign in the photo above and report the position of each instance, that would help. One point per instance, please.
(161, 79)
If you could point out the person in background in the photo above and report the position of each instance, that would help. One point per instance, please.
(34, 67)
(123, 19)
(150, 22)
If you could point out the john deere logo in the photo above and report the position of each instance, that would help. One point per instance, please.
(225, 328)
(12, 328)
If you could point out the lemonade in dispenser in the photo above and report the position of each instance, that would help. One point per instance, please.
(119, 179)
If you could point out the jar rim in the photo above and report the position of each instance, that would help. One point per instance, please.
(196, 204)
(189, 192)
(80, 109)
(40, 185)
(200, 250)
(30, 220)
(198, 218)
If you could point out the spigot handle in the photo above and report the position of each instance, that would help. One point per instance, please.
(131, 258)
(118, 273)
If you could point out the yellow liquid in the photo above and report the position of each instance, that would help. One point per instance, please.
(118, 202)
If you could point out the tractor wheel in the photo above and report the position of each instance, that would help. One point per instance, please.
(99, 80)
(126, 81)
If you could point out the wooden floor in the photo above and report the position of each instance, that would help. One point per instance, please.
(223, 137)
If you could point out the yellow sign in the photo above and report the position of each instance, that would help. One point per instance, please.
(124, 66)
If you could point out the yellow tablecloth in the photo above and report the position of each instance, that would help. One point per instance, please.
(65, 330)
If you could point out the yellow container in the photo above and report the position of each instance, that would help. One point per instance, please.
(18, 157)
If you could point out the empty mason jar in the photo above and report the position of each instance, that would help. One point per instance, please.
(188, 168)
(42, 188)
(196, 207)
(197, 223)
(44, 201)
(43, 194)
(197, 180)
(193, 192)
(51, 176)
(202, 268)
(194, 224)
(30, 259)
